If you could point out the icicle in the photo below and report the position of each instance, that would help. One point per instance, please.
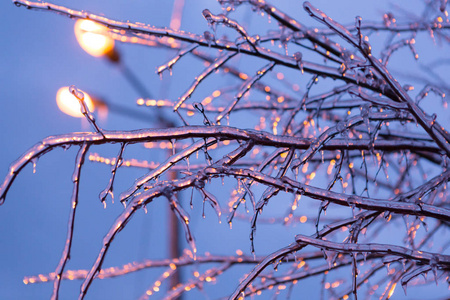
(331, 258)
(105, 193)
(187, 162)
(404, 286)
(203, 209)
(34, 162)
(173, 141)
(351, 202)
(209, 37)
(298, 56)
(433, 264)
(341, 127)
(365, 110)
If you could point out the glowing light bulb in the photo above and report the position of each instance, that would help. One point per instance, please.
(70, 105)
(93, 38)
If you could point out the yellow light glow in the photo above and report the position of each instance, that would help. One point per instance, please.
(93, 38)
(70, 105)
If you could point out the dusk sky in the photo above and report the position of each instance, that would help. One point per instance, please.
(39, 55)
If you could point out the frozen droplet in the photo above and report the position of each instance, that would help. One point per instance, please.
(203, 210)
(365, 111)
(434, 264)
(331, 258)
(76, 92)
(34, 162)
(103, 195)
(298, 56)
(208, 16)
(351, 201)
(187, 162)
(173, 141)
(358, 21)
(209, 37)
(341, 127)
(404, 286)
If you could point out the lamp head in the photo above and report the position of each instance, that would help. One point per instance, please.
(94, 39)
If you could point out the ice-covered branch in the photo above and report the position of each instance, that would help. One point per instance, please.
(175, 263)
(210, 69)
(222, 19)
(436, 131)
(221, 132)
(292, 248)
(246, 86)
(190, 38)
(70, 227)
(439, 260)
(291, 186)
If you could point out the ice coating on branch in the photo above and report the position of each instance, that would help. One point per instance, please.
(109, 188)
(73, 206)
(76, 92)
(211, 68)
(365, 111)
(169, 65)
(245, 87)
(209, 37)
(298, 56)
(222, 19)
(162, 168)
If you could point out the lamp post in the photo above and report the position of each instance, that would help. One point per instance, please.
(94, 39)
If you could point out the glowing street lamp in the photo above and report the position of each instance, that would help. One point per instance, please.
(70, 105)
(94, 39)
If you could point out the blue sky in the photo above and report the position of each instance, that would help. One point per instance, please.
(39, 55)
